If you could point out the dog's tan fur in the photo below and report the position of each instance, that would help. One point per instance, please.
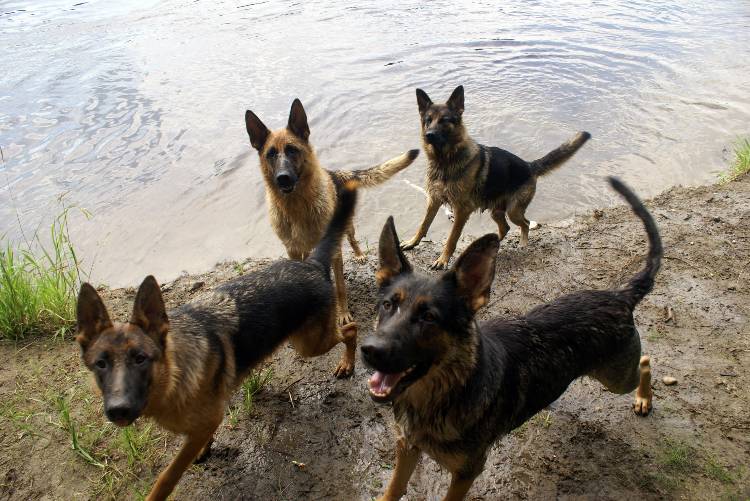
(460, 170)
(299, 218)
(181, 368)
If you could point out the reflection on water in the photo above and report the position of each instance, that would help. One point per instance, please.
(135, 109)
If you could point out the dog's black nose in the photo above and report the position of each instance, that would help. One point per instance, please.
(373, 351)
(284, 180)
(120, 413)
(431, 137)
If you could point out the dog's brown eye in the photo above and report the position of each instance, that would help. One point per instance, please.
(387, 305)
(140, 358)
(272, 152)
(290, 151)
(428, 317)
(101, 364)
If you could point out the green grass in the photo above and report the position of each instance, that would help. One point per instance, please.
(741, 164)
(718, 472)
(677, 457)
(38, 283)
(252, 385)
(70, 426)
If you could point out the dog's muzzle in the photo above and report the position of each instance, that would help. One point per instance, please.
(286, 182)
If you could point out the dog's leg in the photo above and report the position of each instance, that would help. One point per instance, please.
(172, 474)
(462, 215)
(349, 338)
(644, 395)
(338, 275)
(517, 216)
(498, 215)
(359, 256)
(294, 255)
(406, 460)
(460, 485)
(432, 209)
(205, 452)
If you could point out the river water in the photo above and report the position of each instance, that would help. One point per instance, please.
(134, 109)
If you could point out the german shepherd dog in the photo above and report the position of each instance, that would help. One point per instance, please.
(301, 195)
(457, 386)
(181, 368)
(469, 176)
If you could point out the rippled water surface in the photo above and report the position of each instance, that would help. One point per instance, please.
(134, 110)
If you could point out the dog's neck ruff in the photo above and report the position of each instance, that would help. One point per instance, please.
(448, 166)
(429, 404)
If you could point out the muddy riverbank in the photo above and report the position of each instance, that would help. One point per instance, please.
(310, 436)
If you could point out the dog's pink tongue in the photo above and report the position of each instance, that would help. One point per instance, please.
(375, 380)
(384, 383)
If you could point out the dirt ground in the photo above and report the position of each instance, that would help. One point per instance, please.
(310, 436)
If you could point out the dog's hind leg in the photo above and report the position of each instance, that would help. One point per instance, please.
(629, 371)
(406, 460)
(345, 317)
(498, 215)
(517, 215)
(643, 395)
(359, 256)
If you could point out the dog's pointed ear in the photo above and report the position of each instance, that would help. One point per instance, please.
(423, 101)
(475, 269)
(148, 310)
(456, 101)
(298, 121)
(91, 315)
(392, 260)
(257, 131)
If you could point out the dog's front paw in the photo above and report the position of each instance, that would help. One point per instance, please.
(360, 258)
(409, 245)
(642, 405)
(345, 317)
(345, 368)
(440, 264)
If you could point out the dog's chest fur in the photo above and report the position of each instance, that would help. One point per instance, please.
(300, 218)
(477, 177)
(453, 179)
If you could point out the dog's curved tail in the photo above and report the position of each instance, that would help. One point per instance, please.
(643, 281)
(342, 216)
(380, 173)
(559, 155)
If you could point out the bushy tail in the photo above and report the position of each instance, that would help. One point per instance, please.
(642, 283)
(559, 155)
(380, 173)
(342, 215)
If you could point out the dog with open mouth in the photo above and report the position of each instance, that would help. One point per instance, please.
(457, 385)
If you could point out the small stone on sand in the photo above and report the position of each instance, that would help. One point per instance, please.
(668, 380)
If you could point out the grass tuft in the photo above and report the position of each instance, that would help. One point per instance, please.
(38, 284)
(718, 472)
(677, 457)
(69, 425)
(741, 164)
(252, 385)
